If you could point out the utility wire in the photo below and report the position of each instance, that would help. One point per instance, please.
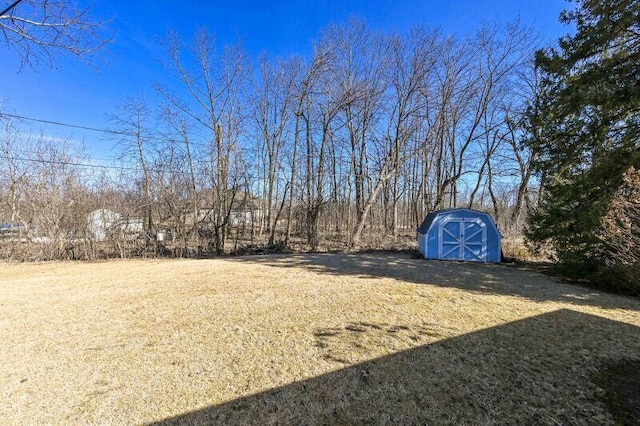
(96, 129)
(109, 131)
(145, 137)
(74, 126)
(88, 165)
(123, 168)
(96, 166)
(150, 137)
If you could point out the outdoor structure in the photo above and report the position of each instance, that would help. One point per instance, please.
(243, 212)
(101, 223)
(104, 224)
(460, 234)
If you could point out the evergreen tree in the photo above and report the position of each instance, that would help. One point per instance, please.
(585, 128)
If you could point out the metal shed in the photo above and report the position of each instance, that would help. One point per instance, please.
(460, 234)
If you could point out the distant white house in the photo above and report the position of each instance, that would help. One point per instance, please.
(104, 223)
(131, 225)
(243, 213)
(246, 211)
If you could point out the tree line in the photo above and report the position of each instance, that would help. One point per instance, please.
(354, 143)
(347, 147)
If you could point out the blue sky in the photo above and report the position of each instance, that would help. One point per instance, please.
(75, 93)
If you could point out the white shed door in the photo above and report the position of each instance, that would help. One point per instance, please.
(462, 239)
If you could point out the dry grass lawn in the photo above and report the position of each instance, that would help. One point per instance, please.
(306, 339)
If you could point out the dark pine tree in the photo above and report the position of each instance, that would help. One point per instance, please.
(585, 128)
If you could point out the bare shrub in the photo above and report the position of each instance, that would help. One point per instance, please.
(620, 233)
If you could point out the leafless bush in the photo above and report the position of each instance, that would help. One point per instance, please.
(620, 233)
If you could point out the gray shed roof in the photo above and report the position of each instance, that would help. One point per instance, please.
(426, 223)
(428, 220)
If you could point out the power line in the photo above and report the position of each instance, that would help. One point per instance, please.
(88, 165)
(130, 134)
(74, 126)
(147, 137)
(98, 166)
(121, 168)
(108, 131)
(98, 130)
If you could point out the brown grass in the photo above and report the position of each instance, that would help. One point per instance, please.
(329, 338)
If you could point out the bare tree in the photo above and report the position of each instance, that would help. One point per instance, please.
(319, 111)
(411, 60)
(361, 57)
(53, 197)
(45, 202)
(302, 92)
(15, 176)
(135, 141)
(41, 30)
(213, 82)
(349, 147)
(504, 59)
(181, 180)
(272, 110)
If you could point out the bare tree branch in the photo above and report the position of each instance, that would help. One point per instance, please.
(39, 31)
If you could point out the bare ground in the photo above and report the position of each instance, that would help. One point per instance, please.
(308, 339)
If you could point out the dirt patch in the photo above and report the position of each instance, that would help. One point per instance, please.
(332, 338)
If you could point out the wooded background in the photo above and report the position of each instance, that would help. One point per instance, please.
(349, 147)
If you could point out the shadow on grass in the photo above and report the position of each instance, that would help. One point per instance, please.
(486, 278)
(540, 370)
